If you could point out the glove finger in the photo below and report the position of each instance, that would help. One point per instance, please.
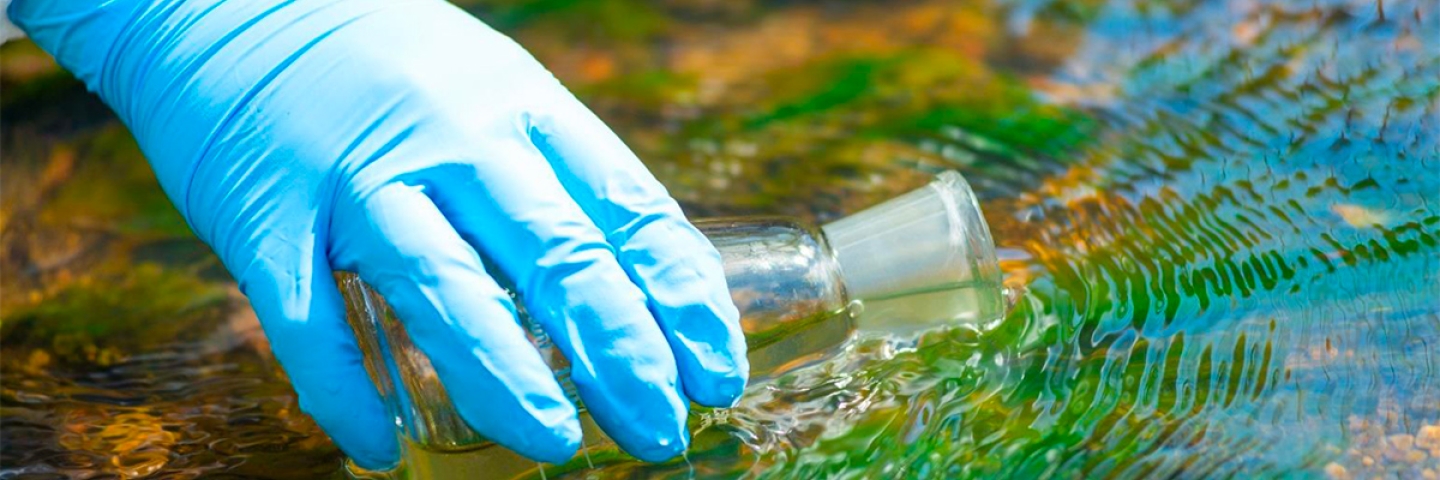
(573, 287)
(397, 241)
(667, 256)
(295, 297)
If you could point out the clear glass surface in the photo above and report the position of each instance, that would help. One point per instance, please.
(922, 258)
(782, 277)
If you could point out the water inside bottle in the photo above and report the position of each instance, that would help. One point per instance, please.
(921, 260)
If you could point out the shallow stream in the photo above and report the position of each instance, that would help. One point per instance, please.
(1219, 220)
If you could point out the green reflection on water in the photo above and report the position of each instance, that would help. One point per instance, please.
(1220, 219)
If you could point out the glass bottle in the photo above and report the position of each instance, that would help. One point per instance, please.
(920, 260)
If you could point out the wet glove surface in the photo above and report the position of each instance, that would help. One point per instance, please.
(405, 141)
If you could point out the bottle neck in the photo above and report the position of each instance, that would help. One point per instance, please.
(922, 259)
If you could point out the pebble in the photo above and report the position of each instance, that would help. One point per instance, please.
(1428, 438)
(1337, 471)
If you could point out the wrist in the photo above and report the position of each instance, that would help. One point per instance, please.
(80, 35)
(178, 73)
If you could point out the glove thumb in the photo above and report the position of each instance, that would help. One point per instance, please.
(295, 296)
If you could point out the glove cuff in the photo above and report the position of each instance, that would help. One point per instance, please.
(80, 35)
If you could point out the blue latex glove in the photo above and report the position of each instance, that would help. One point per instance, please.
(397, 139)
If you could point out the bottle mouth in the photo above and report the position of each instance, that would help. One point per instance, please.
(922, 258)
(966, 211)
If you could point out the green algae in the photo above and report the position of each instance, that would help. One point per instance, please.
(127, 313)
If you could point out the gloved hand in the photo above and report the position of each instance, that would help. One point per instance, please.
(403, 140)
